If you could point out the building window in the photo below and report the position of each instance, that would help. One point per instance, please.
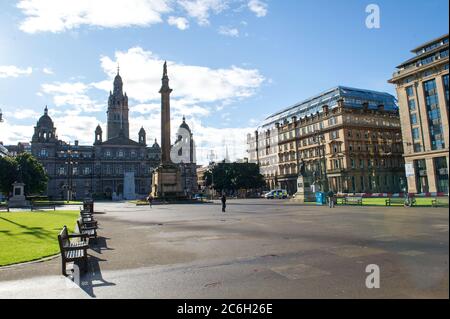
(413, 119)
(43, 153)
(415, 133)
(446, 89)
(434, 115)
(421, 176)
(361, 163)
(412, 104)
(440, 165)
(410, 91)
(417, 147)
(334, 135)
(61, 171)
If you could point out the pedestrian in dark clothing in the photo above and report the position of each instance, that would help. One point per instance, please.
(224, 202)
(330, 195)
(150, 200)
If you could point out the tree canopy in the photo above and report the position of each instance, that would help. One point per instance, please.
(25, 168)
(234, 176)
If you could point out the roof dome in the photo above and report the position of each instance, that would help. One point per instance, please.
(156, 145)
(184, 125)
(45, 120)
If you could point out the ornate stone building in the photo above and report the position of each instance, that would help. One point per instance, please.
(349, 137)
(116, 167)
(422, 85)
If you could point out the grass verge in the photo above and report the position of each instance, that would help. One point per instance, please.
(27, 236)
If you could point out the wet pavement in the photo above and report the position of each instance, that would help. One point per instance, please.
(258, 249)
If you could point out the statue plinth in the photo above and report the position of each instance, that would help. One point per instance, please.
(18, 199)
(304, 192)
(166, 182)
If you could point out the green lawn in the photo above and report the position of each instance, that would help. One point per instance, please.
(26, 236)
(58, 202)
(420, 202)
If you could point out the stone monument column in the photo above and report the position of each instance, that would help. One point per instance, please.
(165, 118)
(166, 179)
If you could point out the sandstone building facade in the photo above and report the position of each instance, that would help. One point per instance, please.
(349, 137)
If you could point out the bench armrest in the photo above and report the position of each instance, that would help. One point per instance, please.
(78, 236)
(66, 248)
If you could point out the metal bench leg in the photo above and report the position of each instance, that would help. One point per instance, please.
(64, 268)
(86, 265)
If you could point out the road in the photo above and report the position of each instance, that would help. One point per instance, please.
(257, 249)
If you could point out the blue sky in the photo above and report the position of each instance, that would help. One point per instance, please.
(231, 62)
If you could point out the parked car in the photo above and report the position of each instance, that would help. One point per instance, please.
(277, 194)
(200, 197)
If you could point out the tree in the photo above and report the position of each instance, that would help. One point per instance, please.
(26, 168)
(234, 176)
(8, 174)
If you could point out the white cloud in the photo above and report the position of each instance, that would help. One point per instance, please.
(22, 114)
(180, 22)
(61, 15)
(258, 7)
(201, 9)
(48, 71)
(141, 71)
(71, 127)
(66, 15)
(72, 94)
(11, 134)
(231, 32)
(12, 71)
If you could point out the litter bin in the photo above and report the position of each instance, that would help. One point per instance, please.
(321, 198)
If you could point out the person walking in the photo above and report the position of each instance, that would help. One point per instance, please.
(150, 200)
(224, 202)
(330, 195)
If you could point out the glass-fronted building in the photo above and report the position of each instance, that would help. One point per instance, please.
(423, 95)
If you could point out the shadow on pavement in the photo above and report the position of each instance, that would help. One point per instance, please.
(100, 244)
(93, 278)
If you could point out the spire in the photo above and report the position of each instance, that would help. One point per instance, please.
(46, 110)
(165, 80)
(118, 68)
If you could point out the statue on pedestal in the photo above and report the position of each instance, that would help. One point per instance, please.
(304, 192)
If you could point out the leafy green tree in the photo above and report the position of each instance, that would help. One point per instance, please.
(24, 167)
(234, 176)
(8, 174)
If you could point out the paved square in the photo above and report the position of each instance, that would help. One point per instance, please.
(258, 249)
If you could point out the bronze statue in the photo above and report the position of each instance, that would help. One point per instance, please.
(302, 168)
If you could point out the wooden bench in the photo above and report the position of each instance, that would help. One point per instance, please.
(4, 207)
(440, 201)
(352, 200)
(39, 206)
(400, 201)
(87, 228)
(71, 250)
(88, 205)
(88, 218)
